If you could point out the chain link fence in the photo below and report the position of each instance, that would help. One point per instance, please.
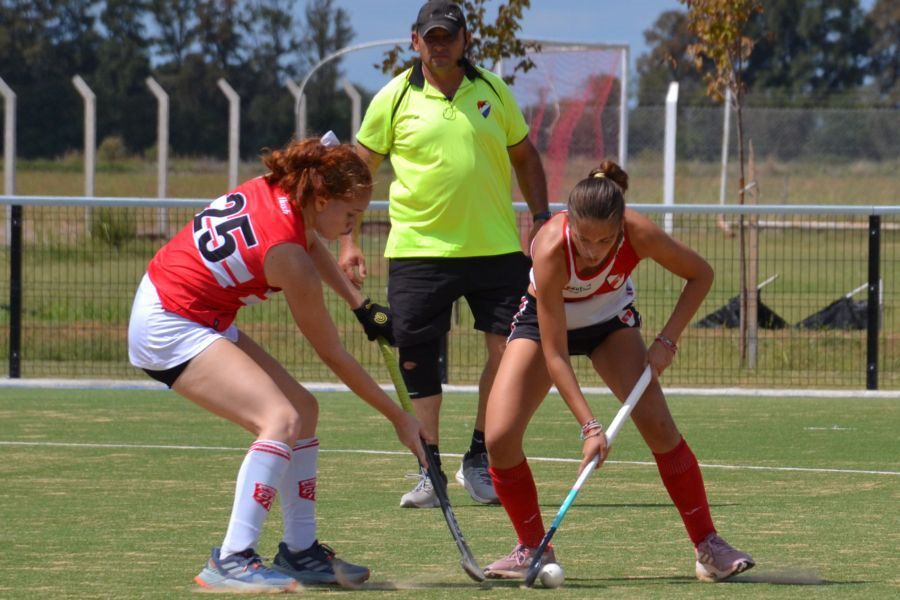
(801, 155)
(79, 277)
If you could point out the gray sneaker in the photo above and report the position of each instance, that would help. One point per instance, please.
(717, 560)
(421, 496)
(473, 475)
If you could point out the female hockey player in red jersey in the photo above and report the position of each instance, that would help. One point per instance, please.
(580, 302)
(265, 236)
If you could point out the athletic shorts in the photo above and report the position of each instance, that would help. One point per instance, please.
(582, 341)
(163, 343)
(421, 293)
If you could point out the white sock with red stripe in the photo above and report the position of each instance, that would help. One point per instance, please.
(263, 468)
(298, 495)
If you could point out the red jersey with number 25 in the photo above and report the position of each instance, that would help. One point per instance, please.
(214, 266)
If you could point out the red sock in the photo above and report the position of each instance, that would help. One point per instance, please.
(518, 494)
(681, 476)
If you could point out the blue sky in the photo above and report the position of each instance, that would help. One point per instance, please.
(593, 21)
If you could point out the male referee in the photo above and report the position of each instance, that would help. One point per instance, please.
(452, 131)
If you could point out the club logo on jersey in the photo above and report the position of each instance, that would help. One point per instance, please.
(627, 317)
(265, 495)
(615, 281)
(484, 107)
(307, 489)
(284, 205)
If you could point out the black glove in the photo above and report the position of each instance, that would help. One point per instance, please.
(376, 320)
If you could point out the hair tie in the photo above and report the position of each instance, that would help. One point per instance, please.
(599, 175)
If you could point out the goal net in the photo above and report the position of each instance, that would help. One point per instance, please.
(574, 102)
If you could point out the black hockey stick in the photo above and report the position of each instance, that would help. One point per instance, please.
(467, 560)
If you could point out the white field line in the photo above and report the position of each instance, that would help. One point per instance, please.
(404, 453)
(724, 392)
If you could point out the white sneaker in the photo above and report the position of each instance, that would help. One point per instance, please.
(474, 476)
(421, 496)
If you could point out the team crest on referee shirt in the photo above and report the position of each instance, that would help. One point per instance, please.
(484, 107)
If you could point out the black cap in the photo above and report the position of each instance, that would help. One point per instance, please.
(440, 13)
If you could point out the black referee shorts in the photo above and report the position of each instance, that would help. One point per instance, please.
(421, 293)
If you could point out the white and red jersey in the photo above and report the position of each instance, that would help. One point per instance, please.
(214, 266)
(603, 294)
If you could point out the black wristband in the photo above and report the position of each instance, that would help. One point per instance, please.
(541, 216)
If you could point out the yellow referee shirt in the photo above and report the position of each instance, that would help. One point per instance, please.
(451, 196)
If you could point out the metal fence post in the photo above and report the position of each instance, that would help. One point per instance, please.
(162, 149)
(355, 107)
(299, 109)
(623, 109)
(726, 132)
(669, 153)
(15, 292)
(234, 125)
(9, 148)
(873, 306)
(90, 142)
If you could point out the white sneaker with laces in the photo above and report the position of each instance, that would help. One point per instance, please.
(421, 496)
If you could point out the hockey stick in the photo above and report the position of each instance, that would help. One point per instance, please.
(467, 559)
(611, 433)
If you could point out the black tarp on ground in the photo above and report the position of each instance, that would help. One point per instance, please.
(843, 313)
(730, 316)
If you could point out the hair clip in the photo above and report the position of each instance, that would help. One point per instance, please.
(329, 139)
(599, 175)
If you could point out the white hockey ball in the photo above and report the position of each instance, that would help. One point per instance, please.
(552, 575)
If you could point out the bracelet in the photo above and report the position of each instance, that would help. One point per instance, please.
(541, 216)
(598, 433)
(590, 425)
(669, 344)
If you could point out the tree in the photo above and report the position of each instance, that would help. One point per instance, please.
(123, 65)
(220, 26)
(328, 30)
(807, 50)
(274, 52)
(43, 43)
(491, 41)
(884, 23)
(177, 23)
(721, 53)
(668, 40)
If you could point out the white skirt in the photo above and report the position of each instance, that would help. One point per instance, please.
(160, 340)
